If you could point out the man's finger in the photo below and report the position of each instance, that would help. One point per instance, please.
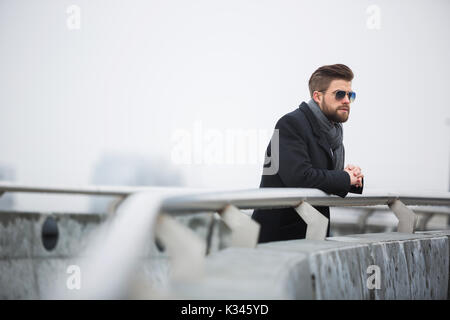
(359, 181)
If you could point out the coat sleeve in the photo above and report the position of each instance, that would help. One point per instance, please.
(295, 168)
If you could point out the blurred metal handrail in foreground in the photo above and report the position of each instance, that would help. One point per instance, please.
(197, 199)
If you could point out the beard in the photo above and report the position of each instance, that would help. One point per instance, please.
(335, 115)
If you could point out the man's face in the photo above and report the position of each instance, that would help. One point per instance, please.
(335, 110)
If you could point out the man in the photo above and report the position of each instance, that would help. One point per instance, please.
(311, 153)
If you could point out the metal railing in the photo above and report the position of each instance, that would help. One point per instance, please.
(372, 218)
(145, 210)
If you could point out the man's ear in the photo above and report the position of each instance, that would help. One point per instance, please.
(317, 97)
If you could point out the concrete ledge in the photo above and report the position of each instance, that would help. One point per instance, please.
(28, 269)
(243, 273)
(441, 233)
(413, 266)
(337, 269)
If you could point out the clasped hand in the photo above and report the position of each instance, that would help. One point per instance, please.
(355, 175)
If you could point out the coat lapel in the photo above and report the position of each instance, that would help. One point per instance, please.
(321, 140)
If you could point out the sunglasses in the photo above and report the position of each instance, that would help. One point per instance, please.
(340, 94)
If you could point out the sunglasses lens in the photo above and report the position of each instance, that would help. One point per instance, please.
(340, 95)
(352, 96)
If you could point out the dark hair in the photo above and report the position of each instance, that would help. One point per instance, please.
(321, 78)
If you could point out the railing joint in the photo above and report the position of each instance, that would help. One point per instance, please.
(317, 223)
(406, 217)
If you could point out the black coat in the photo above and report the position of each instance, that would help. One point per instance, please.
(305, 161)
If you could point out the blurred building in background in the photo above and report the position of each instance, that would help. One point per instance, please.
(121, 169)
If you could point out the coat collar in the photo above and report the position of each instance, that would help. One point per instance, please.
(311, 118)
(323, 142)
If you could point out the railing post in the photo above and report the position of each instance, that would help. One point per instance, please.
(362, 220)
(186, 250)
(406, 217)
(222, 231)
(317, 223)
(244, 230)
(422, 223)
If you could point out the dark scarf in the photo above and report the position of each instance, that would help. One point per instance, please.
(333, 132)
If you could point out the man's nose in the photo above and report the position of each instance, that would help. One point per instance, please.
(346, 99)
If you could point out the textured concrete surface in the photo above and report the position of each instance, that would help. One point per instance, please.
(27, 269)
(243, 273)
(337, 269)
(21, 234)
(413, 266)
(441, 233)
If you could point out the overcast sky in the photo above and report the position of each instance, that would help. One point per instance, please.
(81, 79)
